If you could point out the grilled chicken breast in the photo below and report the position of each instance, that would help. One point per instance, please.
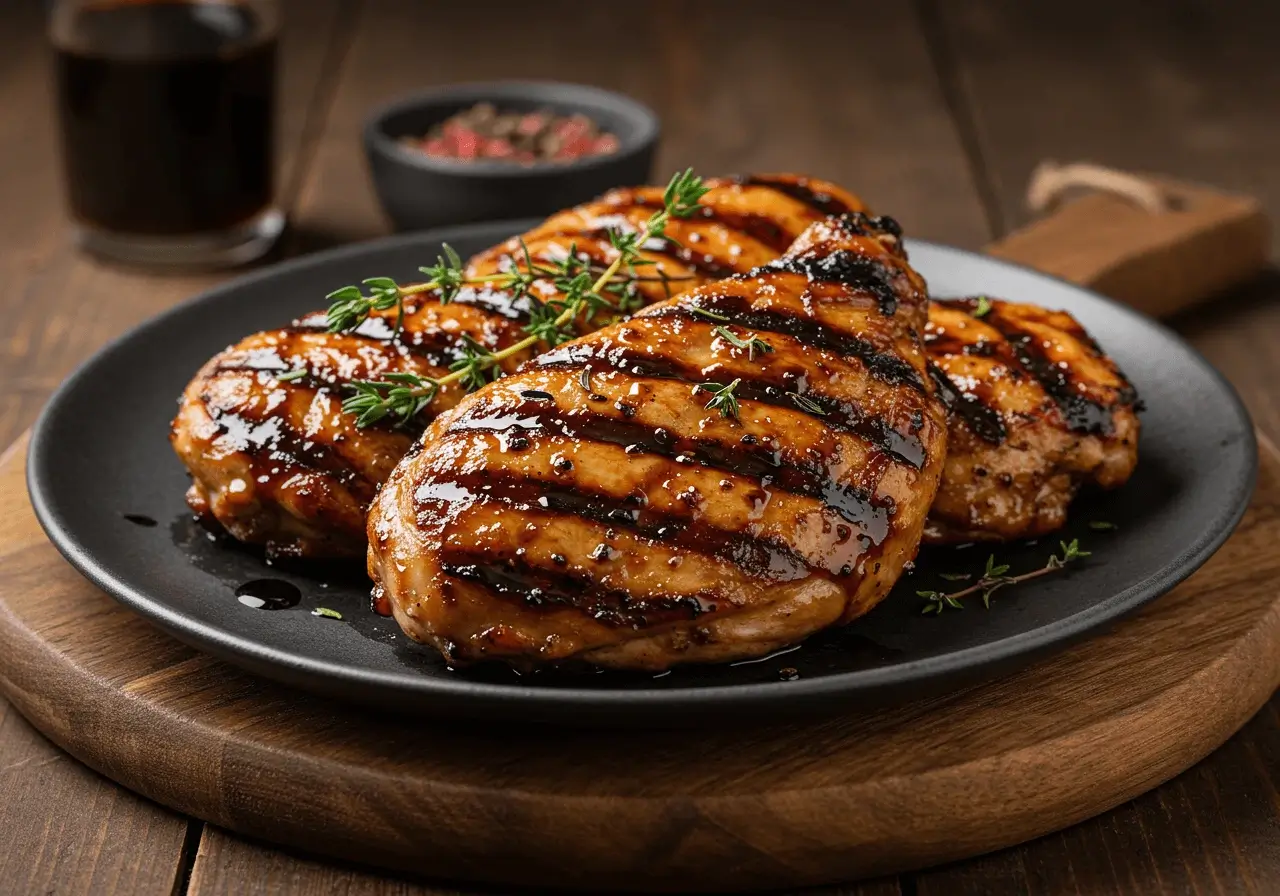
(275, 462)
(1036, 410)
(590, 508)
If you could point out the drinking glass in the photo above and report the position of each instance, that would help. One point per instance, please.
(167, 112)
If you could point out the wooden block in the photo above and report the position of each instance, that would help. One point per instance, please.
(1202, 244)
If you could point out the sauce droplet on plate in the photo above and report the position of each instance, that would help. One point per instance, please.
(139, 519)
(268, 594)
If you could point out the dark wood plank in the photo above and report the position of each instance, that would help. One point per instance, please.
(67, 830)
(229, 865)
(1187, 88)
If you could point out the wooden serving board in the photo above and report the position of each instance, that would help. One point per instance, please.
(811, 802)
(732, 808)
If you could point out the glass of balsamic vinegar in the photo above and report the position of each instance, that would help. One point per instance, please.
(167, 112)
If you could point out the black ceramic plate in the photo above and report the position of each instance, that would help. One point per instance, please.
(100, 455)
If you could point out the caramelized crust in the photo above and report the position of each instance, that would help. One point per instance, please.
(276, 463)
(590, 508)
(1037, 410)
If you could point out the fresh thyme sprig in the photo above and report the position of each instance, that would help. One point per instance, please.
(401, 394)
(709, 314)
(752, 343)
(723, 398)
(994, 577)
(807, 404)
(405, 395)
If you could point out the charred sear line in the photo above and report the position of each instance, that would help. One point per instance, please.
(749, 461)
(982, 421)
(1081, 413)
(764, 557)
(705, 264)
(862, 224)
(799, 190)
(272, 445)
(517, 581)
(842, 416)
(885, 366)
(758, 227)
(846, 268)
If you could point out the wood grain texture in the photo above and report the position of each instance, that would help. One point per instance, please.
(1185, 88)
(66, 830)
(915, 785)
(228, 865)
(734, 91)
(1157, 262)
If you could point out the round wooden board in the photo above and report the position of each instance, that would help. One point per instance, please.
(736, 808)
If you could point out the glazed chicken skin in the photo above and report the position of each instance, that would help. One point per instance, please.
(1036, 411)
(275, 461)
(590, 508)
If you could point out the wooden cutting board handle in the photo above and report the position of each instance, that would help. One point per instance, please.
(1154, 243)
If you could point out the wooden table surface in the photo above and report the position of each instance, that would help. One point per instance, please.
(935, 112)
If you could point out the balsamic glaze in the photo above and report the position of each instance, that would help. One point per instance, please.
(762, 555)
(516, 580)
(847, 268)
(838, 414)
(139, 519)
(983, 422)
(885, 366)
(801, 477)
(269, 594)
(272, 443)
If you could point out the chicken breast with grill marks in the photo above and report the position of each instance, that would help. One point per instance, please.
(1037, 410)
(275, 462)
(590, 507)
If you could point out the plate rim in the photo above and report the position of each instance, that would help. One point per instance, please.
(480, 695)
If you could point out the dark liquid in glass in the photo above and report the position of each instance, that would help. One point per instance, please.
(167, 111)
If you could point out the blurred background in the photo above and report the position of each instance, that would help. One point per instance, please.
(935, 111)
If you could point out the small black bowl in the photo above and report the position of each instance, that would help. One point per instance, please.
(418, 191)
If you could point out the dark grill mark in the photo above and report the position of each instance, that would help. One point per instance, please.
(862, 224)
(515, 580)
(809, 480)
(885, 366)
(758, 227)
(847, 268)
(1081, 413)
(839, 415)
(799, 190)
(765, 557)
(708, 265)
(983, 422)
